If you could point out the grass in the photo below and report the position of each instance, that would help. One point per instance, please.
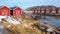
(24, 28)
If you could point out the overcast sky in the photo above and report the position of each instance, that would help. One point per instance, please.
(28, 3)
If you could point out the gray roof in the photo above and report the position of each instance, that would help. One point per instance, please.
(13, 7)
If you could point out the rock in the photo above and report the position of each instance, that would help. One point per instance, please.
(1, 17)
(8, 26)
(9, 19)
(46, 27)
(3, 31)
(49, 30)
(1, 27)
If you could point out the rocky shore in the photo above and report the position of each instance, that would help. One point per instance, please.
(26, 25)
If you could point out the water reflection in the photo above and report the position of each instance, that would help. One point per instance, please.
(53, 20)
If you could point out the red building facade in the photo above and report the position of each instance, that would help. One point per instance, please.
(17, 12)
(44, 9)
(4, 11)
(53, 10)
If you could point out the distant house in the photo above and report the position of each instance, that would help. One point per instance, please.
(4, 11)
(38, 9)
(35, 9)
(58, 10)
(53, 10)
(43, 9)
(48, 10)
(17, 12)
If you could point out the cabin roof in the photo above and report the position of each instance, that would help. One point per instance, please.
(4, 6)
(12, 8)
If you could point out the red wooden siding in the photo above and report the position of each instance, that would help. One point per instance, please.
(35, 11)
(53, 11)
(48, 11)
(4, 11)
(42, 11)
(38, 11)
(17, 12)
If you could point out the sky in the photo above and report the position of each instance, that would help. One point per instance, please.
(29, 3)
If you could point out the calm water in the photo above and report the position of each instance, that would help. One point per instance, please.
(53, 20)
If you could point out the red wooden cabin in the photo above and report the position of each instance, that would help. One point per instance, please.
(17, 12)
(53, 10)
(4, 11)
(38, 10)
(58, 11)
(35, 11)
(48, 10)
(43, 9)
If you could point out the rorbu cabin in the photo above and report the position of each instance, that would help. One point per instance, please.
(43, 9)
(48, 10)
(58, 10)
(33, 9)
(4, 11)
(53, 10)
(17, 12)
(39, 10)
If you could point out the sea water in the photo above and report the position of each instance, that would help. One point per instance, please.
(52, 20)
